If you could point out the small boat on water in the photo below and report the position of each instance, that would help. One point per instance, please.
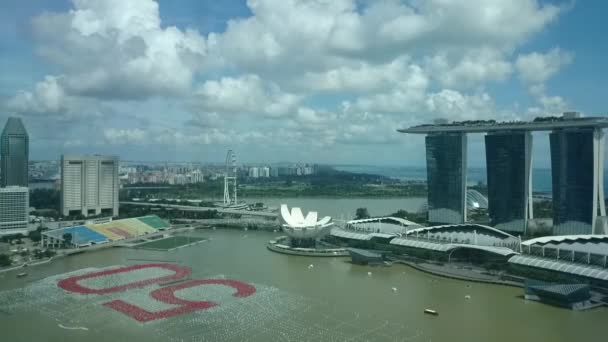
(21, 275)
(431, 312)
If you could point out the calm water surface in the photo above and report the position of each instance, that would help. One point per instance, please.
(331, 301)
(345, 207)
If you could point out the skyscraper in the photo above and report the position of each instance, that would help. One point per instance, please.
(89, 184)
(577, 174)
(14, 152)
(508, 157)
(446, 167)
(14, 206)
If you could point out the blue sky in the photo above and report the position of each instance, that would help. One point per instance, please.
(286, 80)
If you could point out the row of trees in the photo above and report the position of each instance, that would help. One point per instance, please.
(363, 213)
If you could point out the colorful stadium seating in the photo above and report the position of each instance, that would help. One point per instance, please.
(154, 222)
(111, 231)
(81, 235)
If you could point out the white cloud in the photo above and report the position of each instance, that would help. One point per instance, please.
(454, 105)
(244, 94)
(536, 68)
(475, 67)
(117, 136)
(273, 38)
(355, 76)
(47, 97)
(335, 72)
(406, 96)
(117, 49)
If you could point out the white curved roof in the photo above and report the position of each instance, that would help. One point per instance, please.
(296, 219)
(398, 220)
(562, 238)
(560, 266)
(446, 247)
(337, 232)
(463, 225)
(303, 227)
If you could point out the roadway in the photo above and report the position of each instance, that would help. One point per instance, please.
(219, 210)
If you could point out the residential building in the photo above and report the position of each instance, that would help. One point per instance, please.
(89, 185)
(265, 172)
(14, 207)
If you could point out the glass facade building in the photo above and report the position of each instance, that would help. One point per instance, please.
(576, 170)
(14, 154)
(446, 165)
(508, 157)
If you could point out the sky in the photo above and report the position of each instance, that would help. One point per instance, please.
(325, 81)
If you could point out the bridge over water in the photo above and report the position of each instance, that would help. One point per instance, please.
(265, 214)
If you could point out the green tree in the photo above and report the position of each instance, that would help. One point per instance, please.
(67, 239)
(361, 213)
(5, 260)
(36, 235)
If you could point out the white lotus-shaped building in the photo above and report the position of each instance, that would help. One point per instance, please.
(299, 227)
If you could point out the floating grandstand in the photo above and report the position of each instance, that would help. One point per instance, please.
(98, 233)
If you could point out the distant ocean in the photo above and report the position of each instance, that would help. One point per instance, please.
(541, 178)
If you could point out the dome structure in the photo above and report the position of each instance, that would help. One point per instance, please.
(298, 226)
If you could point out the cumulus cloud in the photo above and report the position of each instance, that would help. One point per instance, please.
(318, 73)
(476, 67)
(117, 136)
(277, 31)
(118, 49)
(453, 104)
(47, 97)
(536, 68)
(244, 94)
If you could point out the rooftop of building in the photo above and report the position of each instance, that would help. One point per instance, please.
(14, 188)
(14, 126)
(565, 238)
(88, 156)
(589, 271)
(546, 123)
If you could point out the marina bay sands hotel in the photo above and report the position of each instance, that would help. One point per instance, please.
(577, 169)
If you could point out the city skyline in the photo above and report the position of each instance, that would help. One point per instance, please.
(339, 100)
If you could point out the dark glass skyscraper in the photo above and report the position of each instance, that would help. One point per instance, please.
(14, 153)
(446, 160)
(508, 156)
(576, 172)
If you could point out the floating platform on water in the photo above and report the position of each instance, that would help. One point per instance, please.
(431, 312)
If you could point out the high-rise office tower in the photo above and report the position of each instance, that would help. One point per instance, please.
(14, 154)
(577, 169)
(446, 167)
(89, 185)
(14, 206)
(508, 159)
